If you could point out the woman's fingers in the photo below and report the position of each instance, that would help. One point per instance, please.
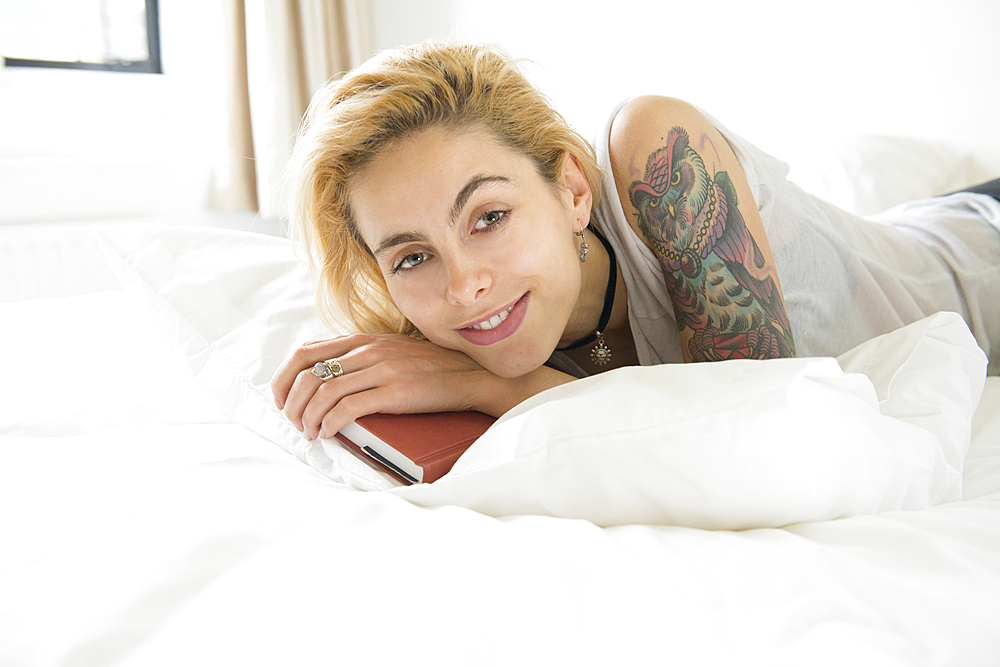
(387, 386)
(301, 393)
(307, 356)
(288, 374)
(297, 389)
(310, 393)
(377, 399)
(337, 398)
(382, 373)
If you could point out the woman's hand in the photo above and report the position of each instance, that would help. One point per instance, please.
(394, 374)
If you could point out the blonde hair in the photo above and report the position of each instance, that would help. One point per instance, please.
(350, 120)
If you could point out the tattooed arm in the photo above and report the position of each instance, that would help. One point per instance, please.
(686, 196)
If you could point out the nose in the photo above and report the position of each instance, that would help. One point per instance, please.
(469, 279)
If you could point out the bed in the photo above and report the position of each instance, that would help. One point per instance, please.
(157, 508)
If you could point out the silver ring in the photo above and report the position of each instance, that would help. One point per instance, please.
(325, 370)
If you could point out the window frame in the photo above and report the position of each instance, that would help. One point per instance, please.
(152, 65)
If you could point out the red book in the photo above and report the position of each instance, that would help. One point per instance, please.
(415, 448)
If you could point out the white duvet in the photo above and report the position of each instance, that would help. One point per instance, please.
(151, 516)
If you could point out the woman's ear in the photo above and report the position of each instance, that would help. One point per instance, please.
(579, 189)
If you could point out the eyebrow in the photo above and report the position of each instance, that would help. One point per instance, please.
(474, 184)
(470, 188)
(397, 239)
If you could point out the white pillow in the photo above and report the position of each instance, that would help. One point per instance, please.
(730, 445)
(237, 304)
(736, 444)
(868, 174)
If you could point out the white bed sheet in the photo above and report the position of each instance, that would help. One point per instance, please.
(142, 526)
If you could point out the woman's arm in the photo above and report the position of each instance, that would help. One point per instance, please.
(685, 195)
(391, 373)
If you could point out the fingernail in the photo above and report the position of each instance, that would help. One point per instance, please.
(322, 434)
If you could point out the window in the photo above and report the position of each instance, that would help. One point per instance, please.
(109, 35)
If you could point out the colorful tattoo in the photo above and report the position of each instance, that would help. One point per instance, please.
(719, 282)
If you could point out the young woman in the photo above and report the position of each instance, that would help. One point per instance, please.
(485, 252)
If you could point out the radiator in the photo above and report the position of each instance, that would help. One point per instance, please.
(51, 261)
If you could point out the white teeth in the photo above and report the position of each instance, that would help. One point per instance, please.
(493, 322)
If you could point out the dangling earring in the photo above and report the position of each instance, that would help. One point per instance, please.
(583, 246)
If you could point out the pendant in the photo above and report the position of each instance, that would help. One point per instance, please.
(600, 355)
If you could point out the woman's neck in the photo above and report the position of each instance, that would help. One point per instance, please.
(593, 288)
(587, 314)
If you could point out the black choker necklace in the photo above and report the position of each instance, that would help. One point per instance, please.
(600, 354)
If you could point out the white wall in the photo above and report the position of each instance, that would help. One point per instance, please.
(788, 75)
(84, 144)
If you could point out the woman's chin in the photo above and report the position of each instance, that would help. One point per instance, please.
(511, 367)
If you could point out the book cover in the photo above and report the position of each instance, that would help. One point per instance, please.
(414, 448)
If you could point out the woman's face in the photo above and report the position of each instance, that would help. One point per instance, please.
(476, 248)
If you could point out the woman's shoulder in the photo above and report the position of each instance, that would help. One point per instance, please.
(647, 113)
(653, 134)
(646, 120)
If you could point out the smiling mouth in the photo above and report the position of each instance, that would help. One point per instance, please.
(499, 326)
(493, 322)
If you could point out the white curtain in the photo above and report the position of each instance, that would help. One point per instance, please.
(279, 53)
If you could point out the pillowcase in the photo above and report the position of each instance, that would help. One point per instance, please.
(868, 174)
(737, 444)
(982, 472)
(728, 445)
(237, 304)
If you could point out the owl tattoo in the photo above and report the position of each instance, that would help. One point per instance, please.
(719, 282)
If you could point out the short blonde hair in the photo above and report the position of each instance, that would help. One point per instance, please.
(351, 119)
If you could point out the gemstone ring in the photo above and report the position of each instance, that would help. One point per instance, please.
(325, 370)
